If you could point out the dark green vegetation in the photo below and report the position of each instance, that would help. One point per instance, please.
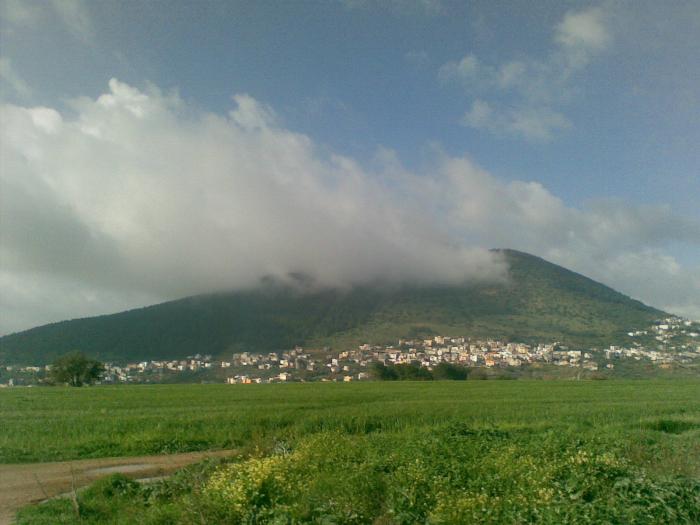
(399, 452)
(542, 302)
(415, 372)
(76, 369)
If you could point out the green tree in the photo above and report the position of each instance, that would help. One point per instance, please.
(450, 371)
(412, 372)
(76, 369)
(382, 372)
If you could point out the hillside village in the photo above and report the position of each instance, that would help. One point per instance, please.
(679, 343)
(672, 341)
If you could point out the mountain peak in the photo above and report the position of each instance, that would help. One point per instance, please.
(542, 302)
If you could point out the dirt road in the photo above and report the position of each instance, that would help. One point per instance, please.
(22, 484)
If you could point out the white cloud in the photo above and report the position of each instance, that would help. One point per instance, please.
(525, 95)
(19, 12)
(10, 77)
(73, 15)
(538, 124)
(46, 119)
(480, 115)
(250, 114)
(465, 70)
(136, 193)
(620, 245)
(582, 34)
(134, 197)
(534, 124)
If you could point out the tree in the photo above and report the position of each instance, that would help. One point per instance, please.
(450, 371)
(76, 369)
(382, 372)
(412, 372)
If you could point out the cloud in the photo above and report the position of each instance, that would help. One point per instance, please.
(535, 124)
(252, 115)
(481, 115)
(73, 15)
(581, 34)
(623, 246)
(10, 77)
(135, 192)
(525, 95)
(465, 70)
(20, 12)
(134, 197)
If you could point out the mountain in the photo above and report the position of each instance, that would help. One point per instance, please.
(541, 302)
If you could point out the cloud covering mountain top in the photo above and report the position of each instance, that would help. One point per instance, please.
(135, 197)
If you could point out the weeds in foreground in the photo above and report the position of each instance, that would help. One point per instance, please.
(449, 474)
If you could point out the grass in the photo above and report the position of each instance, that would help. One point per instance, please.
(439, 452)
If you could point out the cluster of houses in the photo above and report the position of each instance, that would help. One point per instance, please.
(352, 365)
(672, 334)
(678, 345)
(668, 341)
(117, 373)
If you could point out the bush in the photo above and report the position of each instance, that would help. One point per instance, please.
(412, 372)
(381, 372)
(450, 371)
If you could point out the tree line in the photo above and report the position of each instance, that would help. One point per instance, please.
(415, 372)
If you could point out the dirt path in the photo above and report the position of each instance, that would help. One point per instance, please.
(25, 483)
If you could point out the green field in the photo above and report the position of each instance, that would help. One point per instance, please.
(438, 452)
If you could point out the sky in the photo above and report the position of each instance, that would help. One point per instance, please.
(154, 150)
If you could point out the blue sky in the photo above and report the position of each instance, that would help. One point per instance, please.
(596, 104)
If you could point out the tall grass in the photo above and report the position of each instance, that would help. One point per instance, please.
(384, 453)
(60, 423)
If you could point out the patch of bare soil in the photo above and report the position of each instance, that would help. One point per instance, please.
(22, 484)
